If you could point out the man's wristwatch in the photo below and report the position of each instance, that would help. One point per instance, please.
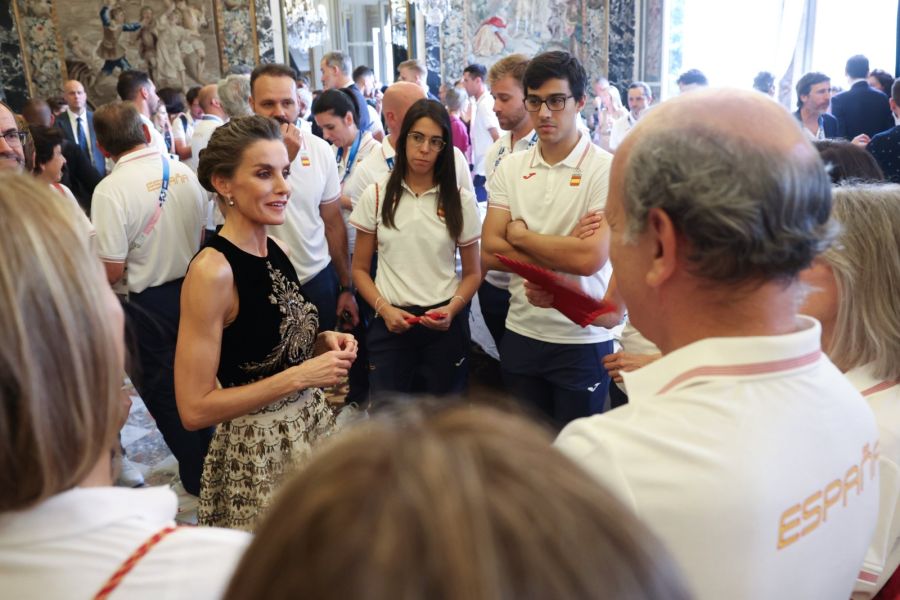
(349, 289)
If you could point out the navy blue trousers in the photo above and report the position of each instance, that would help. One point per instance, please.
(562, 382)
(152, 325)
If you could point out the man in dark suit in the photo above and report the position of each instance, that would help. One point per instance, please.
(813, 98)
(885, 146)
(77, 125)
(861, 109)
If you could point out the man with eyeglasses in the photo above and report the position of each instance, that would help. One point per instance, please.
(12, 153)
(538, 197)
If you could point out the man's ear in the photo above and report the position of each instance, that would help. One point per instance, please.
(103, 150)
(665, 239)
(147, 136)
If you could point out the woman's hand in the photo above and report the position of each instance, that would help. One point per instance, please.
(324, 370)
(442, 316)
(395, 319)
(537, 295)
(333, 340)
(626, 362)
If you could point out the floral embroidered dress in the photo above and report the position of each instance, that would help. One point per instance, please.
(275, 329)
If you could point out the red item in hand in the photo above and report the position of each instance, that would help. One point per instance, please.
(412, 320)
(567, 298)
(436, 315)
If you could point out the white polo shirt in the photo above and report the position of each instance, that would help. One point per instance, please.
(366, 145)
(883, 557)
(417, 259)
(203, 130)
(620, 129)
(483, 120)
(377, 166)
(156, 138)
(314, 181)
(552, 200)
(123, 205)
(500, 149)
(69, 546)
(752, 459)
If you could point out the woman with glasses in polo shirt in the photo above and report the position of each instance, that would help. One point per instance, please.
(416, 220)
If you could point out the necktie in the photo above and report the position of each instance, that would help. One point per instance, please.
(81, 139)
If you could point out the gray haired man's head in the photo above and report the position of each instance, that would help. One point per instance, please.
(234, 95)
(744, 189)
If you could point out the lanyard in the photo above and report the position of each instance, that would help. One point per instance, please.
(163, 193)
(389, 161)
(351, 158)
(531, 143)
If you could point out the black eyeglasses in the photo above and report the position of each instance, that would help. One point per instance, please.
(418, 139)
(14, 137)
(554, 102)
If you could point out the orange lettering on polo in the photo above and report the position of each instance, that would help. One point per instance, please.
(852, 479)
(788, 523)
(830, 499)
(811, 509)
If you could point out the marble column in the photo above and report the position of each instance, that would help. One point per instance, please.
(621, 42)
(12, 72)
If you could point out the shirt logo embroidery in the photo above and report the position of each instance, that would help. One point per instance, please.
(529, 176)
(304, 160)
(575, 180)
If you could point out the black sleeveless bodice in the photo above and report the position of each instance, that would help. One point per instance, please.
(275, 327)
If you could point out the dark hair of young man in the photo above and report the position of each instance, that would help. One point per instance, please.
(272, 70)
(555, 65)
(858, 67)
(692, 77)
(362, 71)
(130, 82)
(476, 70)
(444, 168)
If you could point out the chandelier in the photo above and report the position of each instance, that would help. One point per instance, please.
(307, 24)
(435, 11)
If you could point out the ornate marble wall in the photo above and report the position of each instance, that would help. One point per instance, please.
(13, 85)
(265, 35)
(621, 42)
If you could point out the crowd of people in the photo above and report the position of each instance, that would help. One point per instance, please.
(729, 427)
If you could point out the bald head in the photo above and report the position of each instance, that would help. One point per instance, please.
(736, 176)
(397, 100)
(75, 96)
(731, 114)
(208, 98)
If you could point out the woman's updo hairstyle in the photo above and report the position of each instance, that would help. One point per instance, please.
(226, 147)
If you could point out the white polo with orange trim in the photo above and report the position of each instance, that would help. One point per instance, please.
(314, 181)
(753, 459)
(551, 200)
(125, 202)
(883, 557)
(417, 257)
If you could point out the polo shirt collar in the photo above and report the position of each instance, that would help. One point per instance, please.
(136, 155)
(80, 510)
(433, 190)
(386, 149)
(214, 118)
(728, 357)
(570, 161)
